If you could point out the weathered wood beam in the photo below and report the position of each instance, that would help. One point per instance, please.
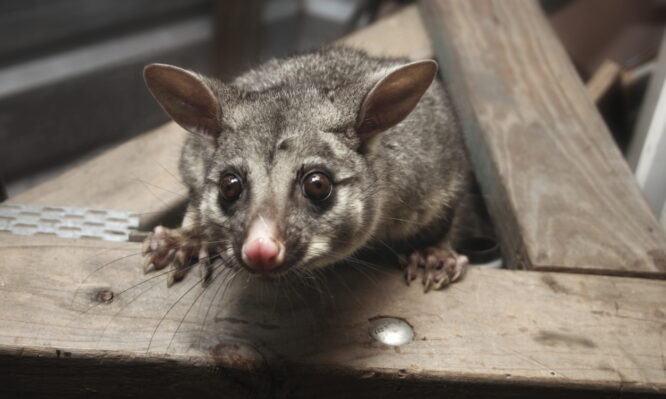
(560, 194)
(401, 35)
(603, 80)
(80, 317)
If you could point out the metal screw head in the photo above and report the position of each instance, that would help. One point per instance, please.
(391, 331)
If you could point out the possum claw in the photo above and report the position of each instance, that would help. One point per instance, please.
(146, 264)
(205, 268)
(427, 283)
(438, 266)
(175, 275)
(170, 279)
(145, 247)
(175, 248)
(410, 268)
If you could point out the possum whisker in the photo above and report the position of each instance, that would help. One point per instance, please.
(147, 187)
(196, 299)
(180, 194)
(320, 275)
(131, 301)
(344, 284)
(109, 264)
(315, 279)
(229, 277)
(221, 226)
(284, 283)
(169, 172)
(151, 278)
(363, 272)
(100, 268)
(351, 258)
(385, 244)
(180, 298)
(413, 222)
(307, 278)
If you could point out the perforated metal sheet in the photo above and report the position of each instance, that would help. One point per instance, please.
(68, 222)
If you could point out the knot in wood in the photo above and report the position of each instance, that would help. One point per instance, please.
(104, 296)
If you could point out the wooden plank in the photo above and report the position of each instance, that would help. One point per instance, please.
(602, 80)
(400, 35)
(84, 310)
(560, 194)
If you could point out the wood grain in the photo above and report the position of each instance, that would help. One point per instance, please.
(497, 328)
(400, 35)
(603, 79)
(560, 194)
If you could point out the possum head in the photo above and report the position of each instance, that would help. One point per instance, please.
(290, 183)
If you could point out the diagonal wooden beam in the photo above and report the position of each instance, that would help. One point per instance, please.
(560, 194)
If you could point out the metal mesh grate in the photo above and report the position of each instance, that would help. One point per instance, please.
(68, 222)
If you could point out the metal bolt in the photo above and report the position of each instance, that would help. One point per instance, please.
(391, 331)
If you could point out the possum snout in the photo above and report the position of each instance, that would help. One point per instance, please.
(263, 249)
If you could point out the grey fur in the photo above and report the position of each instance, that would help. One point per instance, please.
(297, 114)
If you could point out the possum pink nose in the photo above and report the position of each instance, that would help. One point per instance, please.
(262, 254)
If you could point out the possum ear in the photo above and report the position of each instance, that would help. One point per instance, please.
(186, 98)
(393, 98)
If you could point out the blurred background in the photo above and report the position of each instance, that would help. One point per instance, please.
(71, 83)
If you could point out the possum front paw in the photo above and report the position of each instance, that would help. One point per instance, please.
(177, 248)
(438, 266)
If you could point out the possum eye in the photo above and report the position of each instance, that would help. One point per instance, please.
(317, 186)
(230, 187)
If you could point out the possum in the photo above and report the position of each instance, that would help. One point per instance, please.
(307, 160)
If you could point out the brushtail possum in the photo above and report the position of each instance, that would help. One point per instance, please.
(304, 161)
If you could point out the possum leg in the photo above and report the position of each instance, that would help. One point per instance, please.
(178, 248)
(438, 265)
